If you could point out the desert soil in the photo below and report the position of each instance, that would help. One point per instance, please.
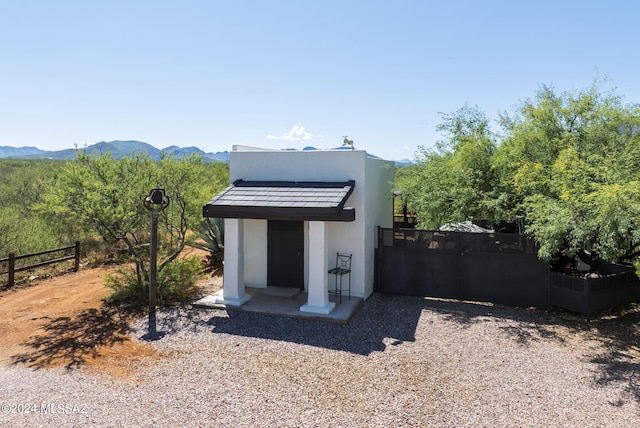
(63, 322)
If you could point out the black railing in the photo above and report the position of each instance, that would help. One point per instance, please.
(11, 260)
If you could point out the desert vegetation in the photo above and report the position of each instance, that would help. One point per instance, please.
(98, 200)
(564, 165)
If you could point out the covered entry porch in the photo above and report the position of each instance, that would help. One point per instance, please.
(285, 302)
(277, 235)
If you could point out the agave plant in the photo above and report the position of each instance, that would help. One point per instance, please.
(210, 232)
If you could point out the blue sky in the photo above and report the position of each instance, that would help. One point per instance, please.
(290, 74)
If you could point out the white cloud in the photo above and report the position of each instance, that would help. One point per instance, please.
(296, 133)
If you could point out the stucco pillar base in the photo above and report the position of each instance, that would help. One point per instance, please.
(233, 301)
(326, 309)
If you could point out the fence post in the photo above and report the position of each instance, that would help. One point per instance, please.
(76, 262)
(12, 266)
(376, 261)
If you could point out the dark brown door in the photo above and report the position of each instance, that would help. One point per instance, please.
(285, 254)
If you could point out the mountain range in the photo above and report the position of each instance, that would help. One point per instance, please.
(120, 149)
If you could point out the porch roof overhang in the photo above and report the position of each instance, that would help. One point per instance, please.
(283, 200)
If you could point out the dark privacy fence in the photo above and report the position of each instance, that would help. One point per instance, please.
(498, 267)
(618, 286)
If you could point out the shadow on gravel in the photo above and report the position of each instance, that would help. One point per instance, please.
(69, 342)
(617, 333)
(375, 325)
(620, 362)
(386, 320)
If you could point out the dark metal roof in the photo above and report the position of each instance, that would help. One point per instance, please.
(283, 200)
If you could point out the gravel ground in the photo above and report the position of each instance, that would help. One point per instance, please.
(401, 361)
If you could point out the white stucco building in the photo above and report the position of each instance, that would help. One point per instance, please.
(287, 213)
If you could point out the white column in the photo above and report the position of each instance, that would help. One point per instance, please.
(318, 300)
(233, 293)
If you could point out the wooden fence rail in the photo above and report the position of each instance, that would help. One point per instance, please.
(12, 261)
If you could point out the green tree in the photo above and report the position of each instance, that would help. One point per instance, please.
(103, 195)
(570, 164)
(455, 181)
(567, 164)
(183, 181)
(24, 230)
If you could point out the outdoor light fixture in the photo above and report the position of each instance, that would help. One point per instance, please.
(155, 202)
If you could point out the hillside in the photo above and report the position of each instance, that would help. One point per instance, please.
(7, 151)
(123, 148)
(118, 150)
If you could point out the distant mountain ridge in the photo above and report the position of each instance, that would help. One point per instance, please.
(8, 151)
(123, 148)
(117, 148)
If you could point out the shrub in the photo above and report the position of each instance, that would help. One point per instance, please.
(176, 282)
(127, 290)
(210, 232)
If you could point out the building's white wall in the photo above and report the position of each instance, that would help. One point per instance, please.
(379, 208)
(255, 253)
(370, 198)
(298, 165)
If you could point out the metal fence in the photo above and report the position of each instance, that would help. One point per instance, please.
(493, 267)
(497, 267)
(615, 286)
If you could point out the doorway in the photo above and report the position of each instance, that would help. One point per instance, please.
(285, 254)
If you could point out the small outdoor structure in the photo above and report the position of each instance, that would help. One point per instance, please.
(288, 213)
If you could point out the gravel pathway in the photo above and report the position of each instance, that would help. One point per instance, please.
(401, 361)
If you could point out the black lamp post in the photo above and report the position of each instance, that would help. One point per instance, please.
(155, 202)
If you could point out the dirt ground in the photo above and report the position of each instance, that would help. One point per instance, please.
(63, 322)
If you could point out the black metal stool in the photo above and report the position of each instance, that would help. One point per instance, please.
(343, 267)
